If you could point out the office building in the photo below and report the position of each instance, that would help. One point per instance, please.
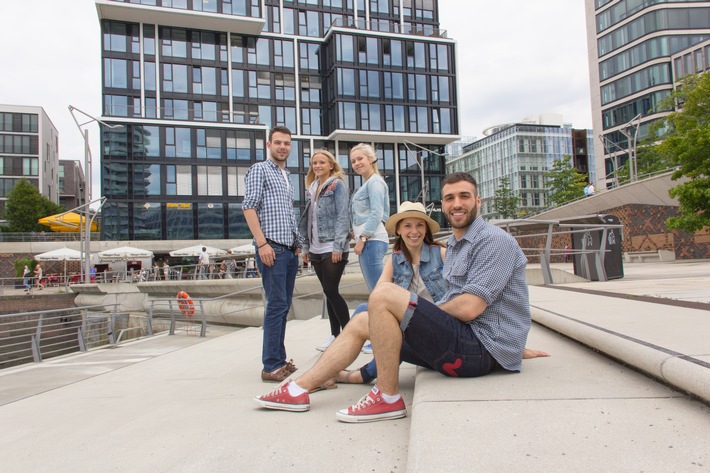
(523, 152)
(632, 44)
(196, 85)
(29, 149)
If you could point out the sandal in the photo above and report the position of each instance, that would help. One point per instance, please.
(346, 377)
(330, 384)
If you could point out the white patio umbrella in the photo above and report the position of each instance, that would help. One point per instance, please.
(194, 251)
(124, 253)
(243, 250)
(60, 254)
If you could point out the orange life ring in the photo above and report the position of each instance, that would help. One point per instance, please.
(185, 303)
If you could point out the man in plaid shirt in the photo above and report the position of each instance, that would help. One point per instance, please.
(268, 210)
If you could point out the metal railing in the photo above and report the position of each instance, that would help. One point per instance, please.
(43, 236)
(35, 336)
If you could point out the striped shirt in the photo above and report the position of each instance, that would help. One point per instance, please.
(487, 262)
(270, 193)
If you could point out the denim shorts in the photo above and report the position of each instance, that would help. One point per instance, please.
(434, 339)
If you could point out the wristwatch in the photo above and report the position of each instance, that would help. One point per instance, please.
(363, 238)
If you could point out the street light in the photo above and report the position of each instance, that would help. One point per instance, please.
(87, 184)
(421, 164)
(633, 165)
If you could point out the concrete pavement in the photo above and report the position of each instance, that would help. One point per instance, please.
(184, 404)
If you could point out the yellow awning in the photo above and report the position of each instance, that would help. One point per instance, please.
(67, 222)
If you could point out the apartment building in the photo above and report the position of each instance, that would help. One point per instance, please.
(29, 149)
(197, 84)
(633, 45)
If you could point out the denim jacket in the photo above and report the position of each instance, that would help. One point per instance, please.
(370, 204)
(333, 224)
(430, 266)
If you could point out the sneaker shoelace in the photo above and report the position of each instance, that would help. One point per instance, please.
(365, 402)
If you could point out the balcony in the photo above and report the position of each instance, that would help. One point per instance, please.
(134, 13)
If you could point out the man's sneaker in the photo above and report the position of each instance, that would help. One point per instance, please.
(324, 346)
(371, 408)
(281, 400)
(367, 349)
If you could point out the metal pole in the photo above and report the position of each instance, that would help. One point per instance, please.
(87, 199)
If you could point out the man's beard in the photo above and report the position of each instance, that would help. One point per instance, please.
(471, 217)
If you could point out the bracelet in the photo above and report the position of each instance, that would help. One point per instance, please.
(259, 247)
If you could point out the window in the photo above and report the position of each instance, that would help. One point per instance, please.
(178, 143)
(210, 221)
(174, 42)
(209, 180)
(178, 179)
(235, 181)
(30, 166)
(175, 78)
(115, 73)
(209, 144)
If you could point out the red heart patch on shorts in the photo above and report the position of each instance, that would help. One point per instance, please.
(450, 368)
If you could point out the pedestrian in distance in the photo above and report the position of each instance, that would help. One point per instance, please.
(325, 228)
(204, 263)
(268, 210)
(38, 277)
(26, 279)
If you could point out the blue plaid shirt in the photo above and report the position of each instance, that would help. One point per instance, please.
(487, 262)
(271, 196)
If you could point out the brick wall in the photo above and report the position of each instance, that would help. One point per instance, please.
(35, 302)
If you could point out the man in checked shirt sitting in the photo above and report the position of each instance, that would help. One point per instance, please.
(480, 325)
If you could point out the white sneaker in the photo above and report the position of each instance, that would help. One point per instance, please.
(367, 349)
(324, 346)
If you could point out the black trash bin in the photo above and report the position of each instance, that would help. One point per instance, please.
(585, 263)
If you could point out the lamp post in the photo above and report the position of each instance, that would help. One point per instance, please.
(87, 184)
(420, 163)
(633, 165)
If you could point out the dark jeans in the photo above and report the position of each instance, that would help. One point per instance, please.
(278, 281)
(436, 340)
(329, 275)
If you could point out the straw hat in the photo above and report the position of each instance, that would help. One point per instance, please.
(410, 210)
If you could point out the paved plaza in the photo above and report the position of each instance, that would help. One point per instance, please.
(184, 404)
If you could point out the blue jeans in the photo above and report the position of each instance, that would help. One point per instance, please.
(371, 261)
(278, 281)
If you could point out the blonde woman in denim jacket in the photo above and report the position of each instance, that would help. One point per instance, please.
(369, 209)
(325, 227)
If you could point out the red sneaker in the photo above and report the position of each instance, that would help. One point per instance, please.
(371, 408)
(281, 400)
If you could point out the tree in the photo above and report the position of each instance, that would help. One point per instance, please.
(687, 144)
(505, 202)
(563, 182)
(25, 206)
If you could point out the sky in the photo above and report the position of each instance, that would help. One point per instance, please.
(515, 58)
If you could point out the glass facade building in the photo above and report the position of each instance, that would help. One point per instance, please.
(198, 84)
(523, 153)
(632, 44)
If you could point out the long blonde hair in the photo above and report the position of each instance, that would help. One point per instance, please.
(368, 151)
(337, 171)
